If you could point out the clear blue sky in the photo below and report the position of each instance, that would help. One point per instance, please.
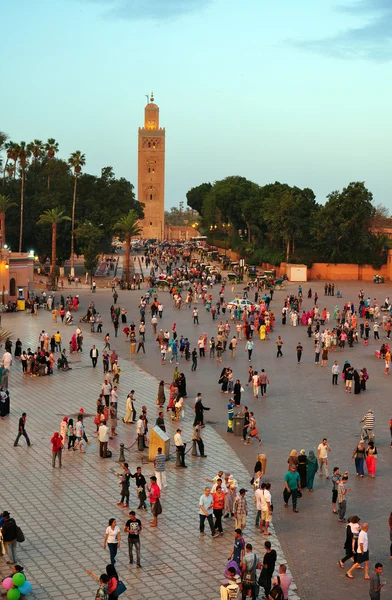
(296, 91)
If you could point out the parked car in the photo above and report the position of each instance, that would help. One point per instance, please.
(242, 303)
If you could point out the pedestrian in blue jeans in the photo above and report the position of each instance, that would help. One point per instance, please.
(112, 539)
(22, 431)
(359, 456)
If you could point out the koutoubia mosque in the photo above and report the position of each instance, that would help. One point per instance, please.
(151, 172)
(151, 179)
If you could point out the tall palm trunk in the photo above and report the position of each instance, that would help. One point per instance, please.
(22, 190)
(73, 227)
(2, 225)
(127, 255)
(54, 257)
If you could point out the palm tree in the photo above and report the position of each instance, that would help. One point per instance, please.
(10, 170)
(11, 155)
(53, 216)
(36, 148)
(5, 204)
(128, 225)
(51, 148)
(23, 153)
(77, 160)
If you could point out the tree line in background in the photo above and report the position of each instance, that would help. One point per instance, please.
(278, 222)
(43, 198)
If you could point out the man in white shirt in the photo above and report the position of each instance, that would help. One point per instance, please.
(180, 447)
(140, 433)
(263, 505)
(255, 383)
(362, 555)
(103, 437)
(335, 372)
(322, 455)
(79, 430)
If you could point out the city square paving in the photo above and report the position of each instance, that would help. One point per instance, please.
(64, 513)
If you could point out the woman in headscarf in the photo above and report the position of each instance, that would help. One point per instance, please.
(74, 343)
(357, 382)
(181, 383)
(237, 392)
(371, 456)
(302, 467)
(293, 459)
(311, 469)
(64, 428)
(364, 379)
(161, 394)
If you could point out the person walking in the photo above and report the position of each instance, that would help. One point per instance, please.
(322, 455)
(268, 568)
(279, 344)
(375, 582)
(195, 314)
(206, 504)
(362, 555)
(249, 348)
(112, 540)
(299, 350)
(292, 484)
(335, 372)
(197, 437)
(240, 510)
(125, 476)
(180, 446)
(194, 360)
(342, 502)
(249, 566)
(94, 356)
(9, 533)
(218, 506)
(133, 527)
(57, 448)
(359, 457)
(22, 431)
(154, 494)
(160, 468)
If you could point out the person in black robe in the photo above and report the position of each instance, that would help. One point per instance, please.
(237, 392)
(302, 468)
(199, 411)
(357, 382)
(18, 348)
(181, 383)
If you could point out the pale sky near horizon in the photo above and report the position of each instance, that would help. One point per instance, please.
(293, 91)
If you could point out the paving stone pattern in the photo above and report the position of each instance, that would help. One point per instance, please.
(64, 513)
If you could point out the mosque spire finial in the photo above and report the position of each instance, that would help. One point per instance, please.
(152, 97)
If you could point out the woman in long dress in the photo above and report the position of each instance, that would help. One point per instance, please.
(371, 456)
(128, 410)
(311, 469)
(161, 394)
(262, 332)
(237, 392)
(302, 467)
(357, 382)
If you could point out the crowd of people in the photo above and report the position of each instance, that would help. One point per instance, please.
(237, 327)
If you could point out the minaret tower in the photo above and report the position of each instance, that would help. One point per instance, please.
(151, 172)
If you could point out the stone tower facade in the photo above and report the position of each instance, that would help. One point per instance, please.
(151, 172)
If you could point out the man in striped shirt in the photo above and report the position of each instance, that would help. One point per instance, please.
(160, 468)
(368, 419)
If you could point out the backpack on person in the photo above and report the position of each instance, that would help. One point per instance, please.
(276, 593)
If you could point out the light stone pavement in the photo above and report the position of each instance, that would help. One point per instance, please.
(64, 513)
